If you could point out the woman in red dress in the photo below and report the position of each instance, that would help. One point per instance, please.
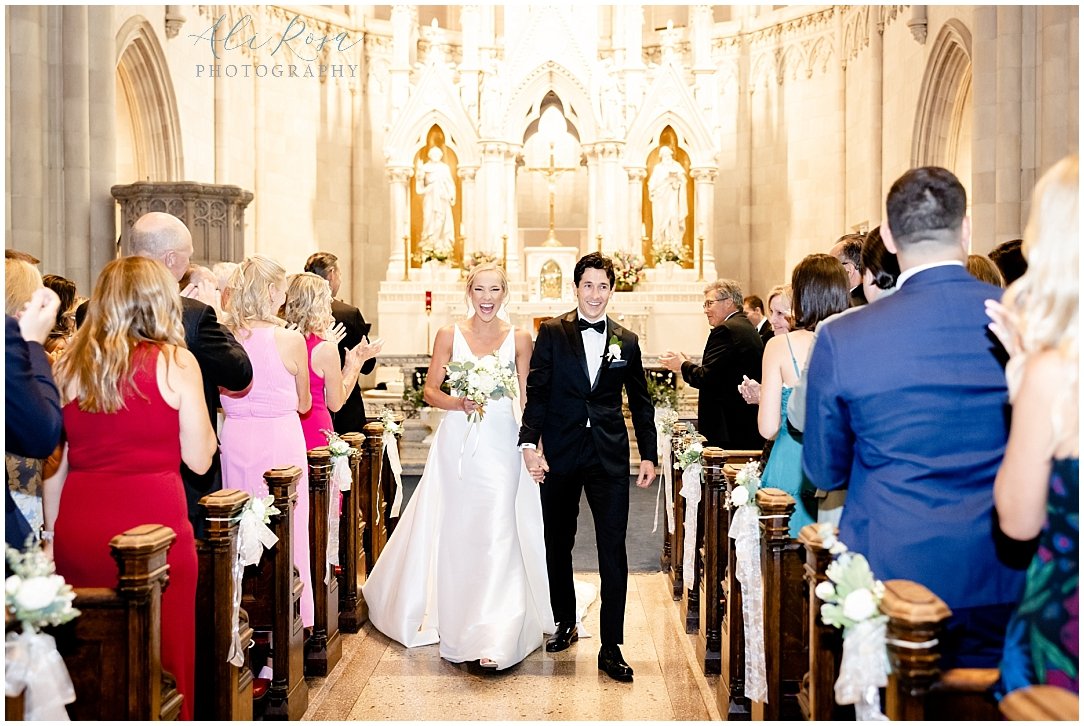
(133, 411)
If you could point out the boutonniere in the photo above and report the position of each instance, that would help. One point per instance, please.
(613, 353)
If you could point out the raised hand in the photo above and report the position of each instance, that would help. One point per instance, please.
(335, 333)
(205, 292)
(749, 390)
(1003, 326)
(39, 315)
(370, 348)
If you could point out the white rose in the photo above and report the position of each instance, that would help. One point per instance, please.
(484, 382)
(739, 496)
(697, 447)
(37, 593)
(615, 351)
(825, 591)
(859, 605)
(11, 585)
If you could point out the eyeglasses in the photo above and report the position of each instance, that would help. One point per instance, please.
(709, 303)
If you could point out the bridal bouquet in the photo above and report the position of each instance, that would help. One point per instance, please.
(487, 379)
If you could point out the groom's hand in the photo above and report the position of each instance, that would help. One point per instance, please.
(647, 474)
(536, 464)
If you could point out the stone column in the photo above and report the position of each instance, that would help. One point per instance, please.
(469, 220)
(635, 208)
(1007, 221)
(470, 22)
(491, 210)
(633, 72)
(402, 30)
(591, 152)
(511, 213)
(398, 179)
(704, 221)
(876, 110)
(611, 214)
(984, 85)
(103, 152)
(27, 97)
(75, 212)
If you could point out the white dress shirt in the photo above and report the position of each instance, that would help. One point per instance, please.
(594, 346)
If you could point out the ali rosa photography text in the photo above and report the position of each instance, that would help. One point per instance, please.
(289, 70)
(243, 34)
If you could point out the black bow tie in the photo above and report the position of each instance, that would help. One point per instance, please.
(599, 327)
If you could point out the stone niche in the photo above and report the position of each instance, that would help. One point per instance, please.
(214, 213)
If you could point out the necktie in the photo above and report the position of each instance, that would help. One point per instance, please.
(599, 326)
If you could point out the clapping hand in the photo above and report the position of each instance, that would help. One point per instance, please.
(335, 333)
(205, 292)
(749, 390)
(38, 316)
(369, 348)
(672, 361)
(1003, 326)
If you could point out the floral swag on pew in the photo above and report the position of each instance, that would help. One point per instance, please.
(36, 596)
(341, 481)
(852, 601)
(392, 431)
(688, 457)
(745, 531)
(665, 420)
(253, 537)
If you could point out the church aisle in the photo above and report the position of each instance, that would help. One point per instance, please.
(379, 679)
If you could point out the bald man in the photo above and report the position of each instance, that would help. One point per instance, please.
(222, 360)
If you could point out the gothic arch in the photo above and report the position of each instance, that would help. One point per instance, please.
(523, 105)
(668, 102)
(143, 81)
(944, 104)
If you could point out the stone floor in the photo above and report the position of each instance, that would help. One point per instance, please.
(379, 679)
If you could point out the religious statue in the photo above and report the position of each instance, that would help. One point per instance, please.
(669, 202)
(433, 182)
(608, 99)
(491, 100)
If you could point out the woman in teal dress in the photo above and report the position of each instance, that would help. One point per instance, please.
(819, 289)
(1037, 487)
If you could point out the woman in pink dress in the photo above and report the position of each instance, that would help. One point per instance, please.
(263, 429)
(308, 306)
(133, 411)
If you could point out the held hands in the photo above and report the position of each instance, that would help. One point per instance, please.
(38, 316)
(536, 464)
(647, 474)
(672, 361)
(749, 390)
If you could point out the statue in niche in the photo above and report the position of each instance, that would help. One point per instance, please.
(669, 205)
(608, 97)
(434, 184)
(550, 279)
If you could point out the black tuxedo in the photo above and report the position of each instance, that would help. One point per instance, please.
(560, 401)
(733, 350)
(765, 331)
(351, 417)
(222, 362)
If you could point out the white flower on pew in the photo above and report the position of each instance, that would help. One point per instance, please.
(387, 419)
(849, 575)
(748, 481)
(35, 594)
(668, 418)
(336, 445)
(859, 605)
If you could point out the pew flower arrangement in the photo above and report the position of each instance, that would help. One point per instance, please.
(745, 531)
(665, 419)
(393, 430)
(748, 481)
(37, 597)
(851, 601)
(340, 461)
(486, 380)
(667, 416)
(387, 419)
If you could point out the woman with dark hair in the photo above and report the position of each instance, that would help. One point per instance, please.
(65, 316)
(881, 268)
(819, 288)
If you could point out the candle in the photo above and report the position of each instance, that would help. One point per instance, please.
(428, 301)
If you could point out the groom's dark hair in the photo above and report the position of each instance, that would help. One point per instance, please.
(597, 261)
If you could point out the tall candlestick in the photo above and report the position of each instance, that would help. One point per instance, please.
(504, 250)
(406, 258)
(700, 264)
(599, 237)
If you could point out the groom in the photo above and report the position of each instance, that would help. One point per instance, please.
(580, 363)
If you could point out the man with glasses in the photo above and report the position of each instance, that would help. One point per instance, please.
(848, 250)
(733, 350)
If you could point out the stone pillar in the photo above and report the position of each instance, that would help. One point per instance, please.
(876, 110)
(398, 179)
(633, 22)
(491, 213)
(508, 162)
(103, 151)
(1007, 221)
(75, 211)
(704, 221)
(611, 216)
(470, 22)
(591, 152)
(984, 86)
(402, 30)
(469, 221)
(635, 217)
(28, 95)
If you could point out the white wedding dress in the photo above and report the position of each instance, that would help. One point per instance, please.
(466, 565)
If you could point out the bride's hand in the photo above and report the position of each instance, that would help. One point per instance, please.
(468, 406)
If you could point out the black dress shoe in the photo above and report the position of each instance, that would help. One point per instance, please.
(565, 636)
(613, 665)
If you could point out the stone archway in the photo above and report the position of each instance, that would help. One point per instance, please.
(943, 121)
(148, 127)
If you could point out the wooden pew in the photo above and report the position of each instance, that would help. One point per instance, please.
(272, 597)
(677, 537)
(324, 647)
(113, 650)
(786, 628)
(375, 515)
(353, 525)
(1040, 703)
(917, 689)
(719, 464)
(223, 692)
(825, 645)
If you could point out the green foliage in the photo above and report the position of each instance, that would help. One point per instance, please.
(662, 395)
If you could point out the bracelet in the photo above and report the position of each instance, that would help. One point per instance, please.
(46, 535)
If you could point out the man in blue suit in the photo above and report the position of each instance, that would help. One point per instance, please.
(907, 405)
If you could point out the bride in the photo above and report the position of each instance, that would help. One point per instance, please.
(466, 565)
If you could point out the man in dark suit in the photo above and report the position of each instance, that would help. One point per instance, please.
(222, 360)
(33, 421)
(753, 307)
(351, 417)
(581, 362)
(907, 405)
(848, 250)
(733, 351)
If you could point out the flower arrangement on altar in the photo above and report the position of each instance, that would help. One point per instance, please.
(476, 259)
(667, 252)
(34, 594)
(747, 481)
(628, 269)
(430, 252)
(486, 380)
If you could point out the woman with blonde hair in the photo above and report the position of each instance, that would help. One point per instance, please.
(466, 565)
(133, 411)
(262, 429)
(308, 306)
(1036, 491)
